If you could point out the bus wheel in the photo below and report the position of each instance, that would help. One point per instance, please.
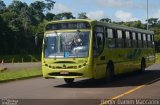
(143, 64)
(69, 80)
(110, 71)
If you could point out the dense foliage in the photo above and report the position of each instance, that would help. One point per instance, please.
(19, 23)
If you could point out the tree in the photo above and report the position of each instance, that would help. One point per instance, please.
(159, 23)
(2, 5)
(135, 24)
(50, 4)
(16, 6)
(82, 15)
(106, 20)
(18, 24)
(40, 6)
(64, 15)
(153, 21)
(3, 36)
(49, 16)
(18, 15)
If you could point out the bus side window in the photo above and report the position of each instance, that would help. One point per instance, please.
(134, 41)
(110, 40)
(127, 39)
(152, 40)
(120, 40)
(139, 40)
(144, 41)
(98, 40)
(149, 42)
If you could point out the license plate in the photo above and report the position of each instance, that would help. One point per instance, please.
(64, 72)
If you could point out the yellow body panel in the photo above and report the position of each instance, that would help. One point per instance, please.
(124, 59)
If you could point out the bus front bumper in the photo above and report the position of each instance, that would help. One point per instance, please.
(67, 73)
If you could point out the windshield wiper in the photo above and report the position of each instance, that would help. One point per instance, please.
(57, 44)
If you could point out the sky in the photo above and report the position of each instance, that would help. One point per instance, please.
(116, 10)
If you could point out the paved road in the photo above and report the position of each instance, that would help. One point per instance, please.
(130, 86)
(21, 66)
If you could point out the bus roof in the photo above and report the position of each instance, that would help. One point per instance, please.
(111, 25)
(73, 20)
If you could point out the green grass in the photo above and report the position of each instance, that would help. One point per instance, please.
(157, 57)
(20, 58)
(19, 74)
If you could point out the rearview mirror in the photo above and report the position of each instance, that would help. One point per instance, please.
(37, 37)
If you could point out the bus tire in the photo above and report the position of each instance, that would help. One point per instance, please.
(110, 71)
(69, 80)
(143, 64)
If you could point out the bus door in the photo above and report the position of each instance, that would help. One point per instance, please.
(99, 55)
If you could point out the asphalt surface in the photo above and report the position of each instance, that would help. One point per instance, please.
(21, 66)
(40, 91)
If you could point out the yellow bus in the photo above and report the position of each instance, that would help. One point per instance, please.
(83, 48)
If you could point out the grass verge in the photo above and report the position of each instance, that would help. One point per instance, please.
(19, 74)
(20, 58)
(157, 57)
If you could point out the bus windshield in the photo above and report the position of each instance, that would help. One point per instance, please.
(66, 44)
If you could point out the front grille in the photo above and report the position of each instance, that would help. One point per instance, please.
(69, 74)
(61, 67)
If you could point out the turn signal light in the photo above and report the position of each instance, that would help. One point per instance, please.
(79, 66)
(84, 64)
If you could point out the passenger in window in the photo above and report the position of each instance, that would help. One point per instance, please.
(77, 41)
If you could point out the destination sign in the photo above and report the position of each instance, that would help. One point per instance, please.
(69, 25)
